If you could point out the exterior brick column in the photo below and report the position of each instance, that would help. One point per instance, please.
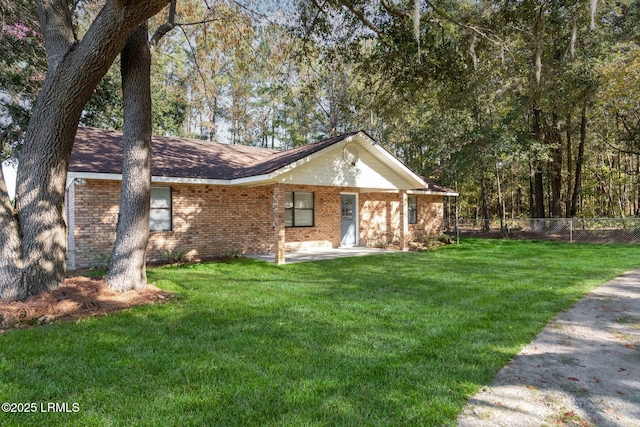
(278, 223)
(404, 220)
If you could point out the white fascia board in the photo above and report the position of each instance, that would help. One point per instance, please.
(396, 164)
(431, 192)
(378, 190)
(251, 180)
(416, 192)
(70, 181)
(258, 179)
(94, 175)
(168, 179)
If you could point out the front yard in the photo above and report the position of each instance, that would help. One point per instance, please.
(397, 339)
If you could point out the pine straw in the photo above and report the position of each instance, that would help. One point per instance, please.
(80, 297)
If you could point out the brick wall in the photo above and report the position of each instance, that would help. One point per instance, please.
(379, 218)
(96, 213)
(430, 217)
(70, 212)
(326, 230)
(209, 220)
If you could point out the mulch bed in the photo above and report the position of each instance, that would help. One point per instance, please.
(79, 297)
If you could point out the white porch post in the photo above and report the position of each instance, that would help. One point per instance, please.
(278, 223)
(404, 220)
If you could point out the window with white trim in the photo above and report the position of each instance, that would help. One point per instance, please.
(160, 213)
(412, 209)
(298, 209)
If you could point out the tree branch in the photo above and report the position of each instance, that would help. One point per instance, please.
(196, 63)
(610, 144)
(204, 21)
(361, 17)
(394, 11)
(57, 30)
(484, 33)
(164, 28)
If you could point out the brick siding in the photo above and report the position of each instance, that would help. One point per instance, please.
(209, 220)
(379, 218)
(70, 212)
(429, 217)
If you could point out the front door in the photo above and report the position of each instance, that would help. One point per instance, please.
(348, 220)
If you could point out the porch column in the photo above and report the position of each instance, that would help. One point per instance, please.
(278, 223)
(404, 221)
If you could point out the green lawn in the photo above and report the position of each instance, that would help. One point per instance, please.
(397, 339)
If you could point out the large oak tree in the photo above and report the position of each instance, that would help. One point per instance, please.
(127, 269)
(33, 237)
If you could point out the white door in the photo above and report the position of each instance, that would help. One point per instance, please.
(348, 220)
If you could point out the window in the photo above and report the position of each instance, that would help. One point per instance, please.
(298, 209)
(412, 209)
(160, 214)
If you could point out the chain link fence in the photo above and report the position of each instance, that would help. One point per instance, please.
(592, 230)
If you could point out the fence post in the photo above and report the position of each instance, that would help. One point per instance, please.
(570, 230)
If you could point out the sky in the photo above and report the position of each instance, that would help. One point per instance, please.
(9, 172)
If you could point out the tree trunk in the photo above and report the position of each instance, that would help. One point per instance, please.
(485, 203)
(127, 268)
(555, 141)
(538, 184)
(71, 78)
(501, 208)
(636, 201)
(538, 190)
(532, 202)
(567, 207)
(577, 189)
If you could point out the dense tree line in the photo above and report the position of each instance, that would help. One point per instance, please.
(541, 96)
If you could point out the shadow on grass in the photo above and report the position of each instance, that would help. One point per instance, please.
(387, 340)
(583, 368)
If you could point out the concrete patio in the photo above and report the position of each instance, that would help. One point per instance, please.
(321, 254)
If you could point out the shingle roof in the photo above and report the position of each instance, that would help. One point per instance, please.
(283, 158)
(432, 186)
(100, 151)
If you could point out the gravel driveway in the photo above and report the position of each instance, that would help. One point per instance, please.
(583, 369)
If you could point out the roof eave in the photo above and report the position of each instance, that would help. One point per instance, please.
(171, 179)
(414, 181)
(396, 164)
(433, 192)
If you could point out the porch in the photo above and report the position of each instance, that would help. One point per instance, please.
(321, 254)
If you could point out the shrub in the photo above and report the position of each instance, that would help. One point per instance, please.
(175, 256)
(231, 253)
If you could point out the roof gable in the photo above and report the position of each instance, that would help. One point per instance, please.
(287, 157)
(98, 152)
(355, 161)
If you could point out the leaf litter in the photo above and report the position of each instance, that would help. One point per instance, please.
(79, 297)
